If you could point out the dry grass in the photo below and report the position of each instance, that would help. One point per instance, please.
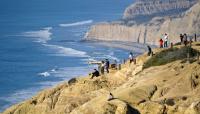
(170, 55)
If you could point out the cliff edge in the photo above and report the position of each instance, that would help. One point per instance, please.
(149, 31)
(166, 83)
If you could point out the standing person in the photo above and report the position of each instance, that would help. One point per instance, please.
(107, 65)
(165, 40)
(195, 37)
(149, 51)
(191, 39)
(185, 39)
(102, 67)
(131, 57)
(181, 38)
(161, 43)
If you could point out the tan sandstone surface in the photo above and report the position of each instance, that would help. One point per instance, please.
(149, 32)
(166, 83)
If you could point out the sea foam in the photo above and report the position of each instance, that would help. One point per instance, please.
(42, 35)
(64, 51)
(19, 96)
(45, 74)
(76, 23)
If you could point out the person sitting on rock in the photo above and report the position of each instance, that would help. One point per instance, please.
(95, 73)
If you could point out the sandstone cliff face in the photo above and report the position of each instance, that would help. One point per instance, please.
(188, 22)
(150, 7)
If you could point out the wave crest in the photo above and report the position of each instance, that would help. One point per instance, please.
(45, 74)
(63, 51)
(76, 23)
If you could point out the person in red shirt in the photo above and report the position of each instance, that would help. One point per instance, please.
(161, 43)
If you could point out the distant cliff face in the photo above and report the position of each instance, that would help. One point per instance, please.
(159, 7)
(150, 32)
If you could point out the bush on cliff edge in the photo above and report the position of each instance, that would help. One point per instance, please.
(170, 55)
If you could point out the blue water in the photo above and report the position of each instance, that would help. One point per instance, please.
(40, 43)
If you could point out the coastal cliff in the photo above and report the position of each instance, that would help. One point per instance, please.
(163, 84)
(157, 7)
(148, 31)
(166, 83)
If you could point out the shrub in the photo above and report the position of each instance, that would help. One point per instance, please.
(170, 55)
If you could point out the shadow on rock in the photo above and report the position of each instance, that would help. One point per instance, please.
(131, 110)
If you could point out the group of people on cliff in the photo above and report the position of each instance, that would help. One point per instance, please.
(164, 41)
(103, 66)
(184, 39)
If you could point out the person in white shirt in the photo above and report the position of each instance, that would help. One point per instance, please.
(102, 67)
(131, 57)
(165, 40)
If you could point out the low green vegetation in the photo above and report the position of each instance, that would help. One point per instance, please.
(170, 55)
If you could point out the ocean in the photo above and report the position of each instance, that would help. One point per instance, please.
(41, 43)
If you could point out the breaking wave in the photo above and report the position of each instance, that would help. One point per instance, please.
(42, 35)
(45, 74)
(63, 51)
(76, 23)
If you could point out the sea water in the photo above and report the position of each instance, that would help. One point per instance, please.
(40, 43)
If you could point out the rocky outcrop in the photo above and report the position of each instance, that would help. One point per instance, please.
(170, 88)
(159, 7)
(149, 32)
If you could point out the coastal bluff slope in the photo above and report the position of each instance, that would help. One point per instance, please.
(145, 21)
(166, 83)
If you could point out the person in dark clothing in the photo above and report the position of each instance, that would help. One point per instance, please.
(107, 65)
(195, 37)
(149, 51)
(181, 38)
(185, 39)
(95, 73)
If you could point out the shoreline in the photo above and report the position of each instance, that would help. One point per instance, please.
(129, 46)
